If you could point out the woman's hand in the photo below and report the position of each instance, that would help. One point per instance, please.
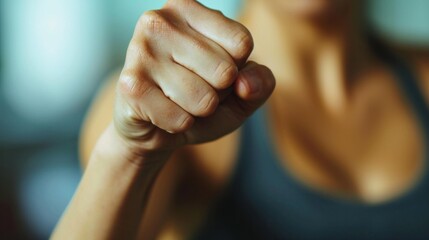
(186, 79)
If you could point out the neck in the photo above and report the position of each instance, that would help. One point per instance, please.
(311, 57)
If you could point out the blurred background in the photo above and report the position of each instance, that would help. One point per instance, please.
(54, 54)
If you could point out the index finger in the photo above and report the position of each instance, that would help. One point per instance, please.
(230, 35)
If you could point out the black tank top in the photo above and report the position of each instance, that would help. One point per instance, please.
(263, 201)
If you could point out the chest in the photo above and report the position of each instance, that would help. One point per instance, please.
(267, 201)
(372, 152)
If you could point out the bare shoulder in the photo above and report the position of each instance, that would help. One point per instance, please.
(418, 57)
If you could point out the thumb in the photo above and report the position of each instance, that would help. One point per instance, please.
(252, 88)
(254, 85)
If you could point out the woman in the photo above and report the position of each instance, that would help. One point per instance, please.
(337, 152)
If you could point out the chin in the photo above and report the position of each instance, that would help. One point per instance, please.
(313, 8)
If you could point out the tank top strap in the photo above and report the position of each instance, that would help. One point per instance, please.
(406, 80)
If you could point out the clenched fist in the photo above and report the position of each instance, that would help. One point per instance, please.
(186, 78)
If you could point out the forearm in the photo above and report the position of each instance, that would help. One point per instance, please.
(111, 197)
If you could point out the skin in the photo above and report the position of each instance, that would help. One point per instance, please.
(188, 79)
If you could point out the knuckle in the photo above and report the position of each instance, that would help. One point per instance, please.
(206, 105)
(128, 84)
(218, 13)
(132, 85)
(154, 22)
(177, 124)
(226, 73)
(133, 49)
(140, 51)
(243, 44)
(183, 123)
(182, 5)
(175, 2)
(169, 92)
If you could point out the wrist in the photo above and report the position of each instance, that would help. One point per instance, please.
(112, 147)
